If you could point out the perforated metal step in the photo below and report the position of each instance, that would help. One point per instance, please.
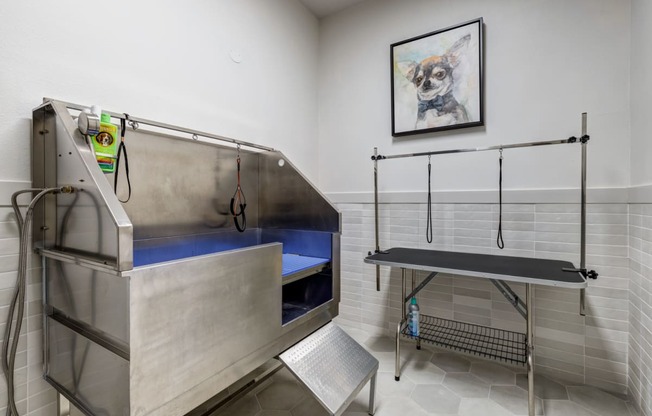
(333, 367)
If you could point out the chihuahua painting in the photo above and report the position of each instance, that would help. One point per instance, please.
(433, 80)
(440, 85)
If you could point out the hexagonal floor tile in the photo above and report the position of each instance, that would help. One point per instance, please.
(309, 406)
(564, 408)
(246, 406)
(494, 374)
(514, 399)
(597, 401)
(544, 388)
(436, 398)
(466, 385)
(274, 413)
(451, 362)
(381, 344)
(280, 395)
(405, 406)
(480, 407)
(388, 387)
(422, 372)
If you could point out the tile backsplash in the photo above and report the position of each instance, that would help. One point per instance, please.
(591, 349)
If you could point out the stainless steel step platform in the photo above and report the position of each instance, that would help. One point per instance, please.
(333, 367)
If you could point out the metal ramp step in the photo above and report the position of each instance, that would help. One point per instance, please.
(333, 367)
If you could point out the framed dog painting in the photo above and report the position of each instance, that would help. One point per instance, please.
(437, 80)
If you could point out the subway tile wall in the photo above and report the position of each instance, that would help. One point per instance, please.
(640, 307)
(591, 349)
(29, 362)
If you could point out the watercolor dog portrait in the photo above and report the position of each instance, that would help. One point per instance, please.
(437, 80)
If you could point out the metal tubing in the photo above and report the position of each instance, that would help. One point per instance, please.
(403, 275)
(421, 286)
(511, 296)
(376, 216)
(63, 406)
(397, 364)
(166, 126)
(372, 394)
(583, 215)
(475, 149)
(530, 348)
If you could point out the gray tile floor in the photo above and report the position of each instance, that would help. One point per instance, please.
(436, 382)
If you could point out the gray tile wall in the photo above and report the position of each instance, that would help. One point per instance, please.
(591, 349)
(29, 362)
(640, 307)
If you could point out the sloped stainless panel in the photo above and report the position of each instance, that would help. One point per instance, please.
(332, 366)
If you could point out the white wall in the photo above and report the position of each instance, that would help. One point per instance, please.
(167, 61)
(546, 62)
(641, 92)
(163, 60)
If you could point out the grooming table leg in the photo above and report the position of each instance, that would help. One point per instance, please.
(414, 278)
(372, 394)
(63, 405)
(397, 368)
(530, 349)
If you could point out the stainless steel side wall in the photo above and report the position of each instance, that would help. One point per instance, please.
(199, 324)
(289, 200)
(183, 187)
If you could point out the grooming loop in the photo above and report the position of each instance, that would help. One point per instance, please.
(239, 202)
(122, 150)
(429, 209)
(499, 237)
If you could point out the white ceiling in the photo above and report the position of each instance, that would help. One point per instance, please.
(322, 8)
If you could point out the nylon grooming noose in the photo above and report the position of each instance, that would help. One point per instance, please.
(429, 208)
(499, 238)
(239, 202)
(122, 149)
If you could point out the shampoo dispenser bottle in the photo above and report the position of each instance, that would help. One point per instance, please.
(105, 144)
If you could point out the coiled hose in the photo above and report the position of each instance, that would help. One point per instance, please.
(17, 306)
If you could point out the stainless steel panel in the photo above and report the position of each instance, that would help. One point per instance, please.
(89, 374)
(182, 187)
(90, 221)
(98, 299)
(193, 319)
(289, 200)
(44, 175)
(332, 366)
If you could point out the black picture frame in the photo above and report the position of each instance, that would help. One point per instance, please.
(437, 80)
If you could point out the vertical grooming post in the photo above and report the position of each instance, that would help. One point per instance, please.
(583, 215)
(530, 348)
(376, 214)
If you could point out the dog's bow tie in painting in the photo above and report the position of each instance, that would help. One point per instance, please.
(436, 103)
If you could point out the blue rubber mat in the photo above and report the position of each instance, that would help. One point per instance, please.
(293, 263)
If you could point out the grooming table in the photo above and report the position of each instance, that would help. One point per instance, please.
(504, 345)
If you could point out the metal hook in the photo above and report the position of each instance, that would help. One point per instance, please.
(134, 125)
(195, 137)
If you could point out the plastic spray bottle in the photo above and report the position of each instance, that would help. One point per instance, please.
(105, 144)
(413, 318)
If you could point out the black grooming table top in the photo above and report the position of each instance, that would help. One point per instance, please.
(513, 269)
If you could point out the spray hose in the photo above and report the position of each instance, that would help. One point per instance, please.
(17, 306)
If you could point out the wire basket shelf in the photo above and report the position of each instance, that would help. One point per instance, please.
(480, 340)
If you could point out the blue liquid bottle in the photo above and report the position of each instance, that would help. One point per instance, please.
(413, 318)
